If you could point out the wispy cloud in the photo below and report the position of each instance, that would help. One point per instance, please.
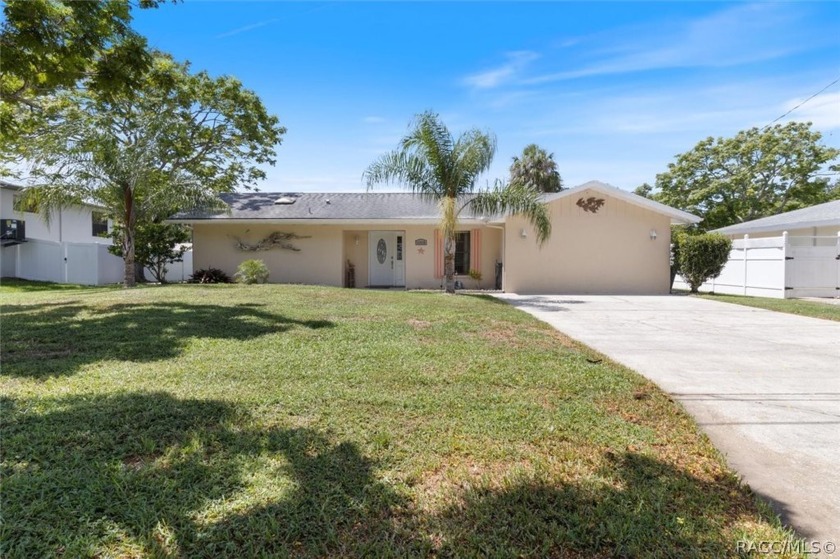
(246, 28)
(373, 120)
(823, 110)
(494, 77)
(730, 37)
(311, 7)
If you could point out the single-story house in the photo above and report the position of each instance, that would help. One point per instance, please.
(787, 255)
(604, 240)
(820, 221)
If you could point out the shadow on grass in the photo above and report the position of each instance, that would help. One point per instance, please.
(159, 475)
(647, 508)
(55, 339)
(166, 477)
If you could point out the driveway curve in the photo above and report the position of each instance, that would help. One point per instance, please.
(764, 386)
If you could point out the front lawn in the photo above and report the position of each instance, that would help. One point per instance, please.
(257, 421)
(791, 306)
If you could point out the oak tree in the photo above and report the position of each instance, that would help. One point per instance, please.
(757, 173)
(176, 141)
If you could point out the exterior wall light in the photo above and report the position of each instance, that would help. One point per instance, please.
(523, 233)
(653, 234)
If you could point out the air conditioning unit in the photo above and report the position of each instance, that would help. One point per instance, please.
(12, 230)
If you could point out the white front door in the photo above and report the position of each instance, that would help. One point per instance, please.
(386, 258)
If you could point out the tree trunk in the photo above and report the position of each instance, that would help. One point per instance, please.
(139, 272)
(129, 219)
(449, 223)
(449, 263)
(158, 269)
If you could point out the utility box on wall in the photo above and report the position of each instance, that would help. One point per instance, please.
(12, 231)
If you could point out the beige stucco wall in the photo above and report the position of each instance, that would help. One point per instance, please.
(605, 252)
(323, 257)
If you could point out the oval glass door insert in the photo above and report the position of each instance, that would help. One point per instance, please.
(381, 251)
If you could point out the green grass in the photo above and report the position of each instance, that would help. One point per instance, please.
(790, 306)
(15, 285)
(287, 421)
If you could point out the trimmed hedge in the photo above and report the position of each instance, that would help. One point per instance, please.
(702, 257)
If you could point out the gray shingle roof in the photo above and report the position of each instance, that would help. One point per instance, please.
(821, 215)
(319, 205)
(379, 206)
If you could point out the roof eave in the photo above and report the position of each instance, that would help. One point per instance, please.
(744, 229)
(315, 221)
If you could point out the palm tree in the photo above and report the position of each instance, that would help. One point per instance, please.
(537, 169)
(433, 164)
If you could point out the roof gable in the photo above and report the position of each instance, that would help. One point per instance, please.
(678, 217)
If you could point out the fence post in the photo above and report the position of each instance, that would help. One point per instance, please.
(784, 265)
(64, 257)
(746, 248)
(837, 287)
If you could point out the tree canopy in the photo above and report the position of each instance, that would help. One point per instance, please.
(174, 142)
(432, 163)
(756, 173)
(537, 169)
(50, 45)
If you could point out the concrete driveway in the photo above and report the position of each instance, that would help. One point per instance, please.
(764, 386)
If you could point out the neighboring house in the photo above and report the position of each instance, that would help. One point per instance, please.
(792, 254)
(85, 223)
(71, 248)
(604, 240)
(815, 222)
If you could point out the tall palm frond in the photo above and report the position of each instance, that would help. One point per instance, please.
(406, 169)
(515, 199)
(433, 165)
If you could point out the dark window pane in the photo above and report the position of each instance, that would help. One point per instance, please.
(462, 253)
(99, 224)
(20, 204)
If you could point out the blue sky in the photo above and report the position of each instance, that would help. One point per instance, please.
(614, 90)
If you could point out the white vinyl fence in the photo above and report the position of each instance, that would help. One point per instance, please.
(779, 267)
(81, 263)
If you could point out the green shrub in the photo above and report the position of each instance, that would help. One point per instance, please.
(702, 257)
(209, 275)
(252, 271)
(677, 235)
(476, 275)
